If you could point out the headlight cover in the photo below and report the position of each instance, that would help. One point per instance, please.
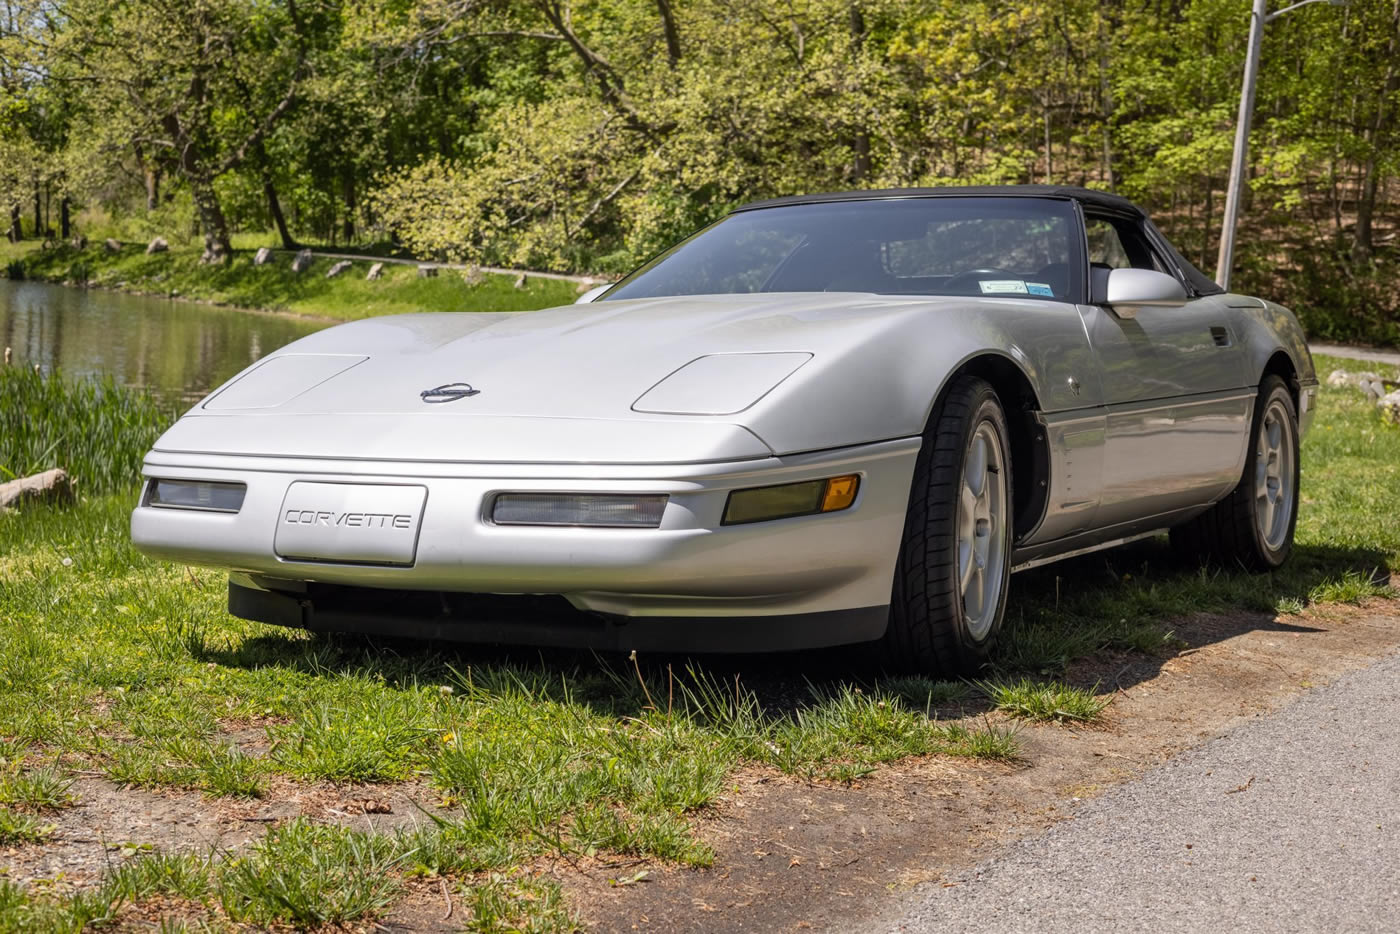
(787, 500)
(589, 510)
(201, 495)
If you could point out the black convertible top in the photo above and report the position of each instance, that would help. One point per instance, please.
(1087, 195)
(1196, 279)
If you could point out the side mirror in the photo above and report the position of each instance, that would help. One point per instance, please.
(592, 293)
(1128, 289)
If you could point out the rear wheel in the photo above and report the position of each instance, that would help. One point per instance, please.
(954, 563)
(1253, 526)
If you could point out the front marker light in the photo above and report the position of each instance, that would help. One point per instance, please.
(590, 510)
(203, 495)
(787, 500)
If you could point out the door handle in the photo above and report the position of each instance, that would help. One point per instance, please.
(1220, 335)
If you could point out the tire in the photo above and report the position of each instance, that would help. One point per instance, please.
(1253, 526)
(954, 536)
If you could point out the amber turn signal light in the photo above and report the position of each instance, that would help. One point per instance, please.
(787, 500)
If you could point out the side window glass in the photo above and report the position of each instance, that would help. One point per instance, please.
(1117, 243)
(1105, 246)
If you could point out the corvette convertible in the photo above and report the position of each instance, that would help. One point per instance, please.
(823, 420)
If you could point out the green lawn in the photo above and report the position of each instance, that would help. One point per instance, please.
(274, 287)
(129, 668)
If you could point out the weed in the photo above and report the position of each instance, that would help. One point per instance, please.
(515, 905)
(310, 875)
(1031, 700)
(17, 827)
(40, 789)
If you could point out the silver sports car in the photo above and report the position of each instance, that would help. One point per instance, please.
(823, 420)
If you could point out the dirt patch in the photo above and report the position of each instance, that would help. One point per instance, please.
(110, 823)
(795, 856)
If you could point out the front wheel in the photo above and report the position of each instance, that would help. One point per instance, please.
(1253, 526)
(954, 562)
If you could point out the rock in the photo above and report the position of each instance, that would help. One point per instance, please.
(51, 485)
(426, 271)
(1390, 408)
(79, 242)
(158, 245)
(338, 268)
(473, 275)
(1338, 378)
(520, 281)
(113, 246)
(262, 257)
(375, 272)
(301, 262)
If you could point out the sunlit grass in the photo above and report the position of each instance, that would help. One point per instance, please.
(274, 287)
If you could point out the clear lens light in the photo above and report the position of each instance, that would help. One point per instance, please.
(598, 510)
(196, 494)
(807, 498)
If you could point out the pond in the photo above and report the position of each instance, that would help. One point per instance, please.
(169, 346)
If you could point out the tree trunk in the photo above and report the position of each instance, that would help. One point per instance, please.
(64, 221)
(347, 188)
(16, 233)
(668, 28)
(274, 207)
(38, 210)
(152, 187)
(860, 167)
(217, 248)
(1375, 132)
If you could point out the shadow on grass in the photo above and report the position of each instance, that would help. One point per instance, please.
(1131, 602)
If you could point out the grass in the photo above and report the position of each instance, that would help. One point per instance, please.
(95, 429)
(113, 663)
(1044, 701)
(274, 287)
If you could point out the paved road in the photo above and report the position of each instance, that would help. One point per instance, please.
(1288, 823)
(1357, 353)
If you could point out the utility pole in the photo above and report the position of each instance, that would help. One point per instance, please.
(1259, 17)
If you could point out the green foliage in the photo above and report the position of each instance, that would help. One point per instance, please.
(95, 429)
(590, 135)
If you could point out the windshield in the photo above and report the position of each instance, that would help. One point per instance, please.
(911, 246)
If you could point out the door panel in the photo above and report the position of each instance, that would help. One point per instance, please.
(1177, 408)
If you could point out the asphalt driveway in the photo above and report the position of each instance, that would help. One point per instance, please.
(1288, 823)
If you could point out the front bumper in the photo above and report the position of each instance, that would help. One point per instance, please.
(691, 567)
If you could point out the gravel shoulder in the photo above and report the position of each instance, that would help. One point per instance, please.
(1289, 822)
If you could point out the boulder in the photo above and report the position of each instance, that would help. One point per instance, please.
(426, 271)
(112, 246)
(158, 245)
(338, 268)
(1338, 378)
(301, 262)
(375, 272)
(262, 257)
(51, 485)
(79, 242)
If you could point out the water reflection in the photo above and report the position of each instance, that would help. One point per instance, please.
(170, 346)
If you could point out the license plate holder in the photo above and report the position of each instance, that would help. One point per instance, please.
(350, 523)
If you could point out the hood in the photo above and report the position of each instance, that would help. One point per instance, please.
(695, 375)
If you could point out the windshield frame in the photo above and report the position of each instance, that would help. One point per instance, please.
(1077, 261)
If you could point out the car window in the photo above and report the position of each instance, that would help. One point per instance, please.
(1117, 243)
(1018, 246)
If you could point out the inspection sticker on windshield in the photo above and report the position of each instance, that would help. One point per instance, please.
(1040, 288)
(1003, 285)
